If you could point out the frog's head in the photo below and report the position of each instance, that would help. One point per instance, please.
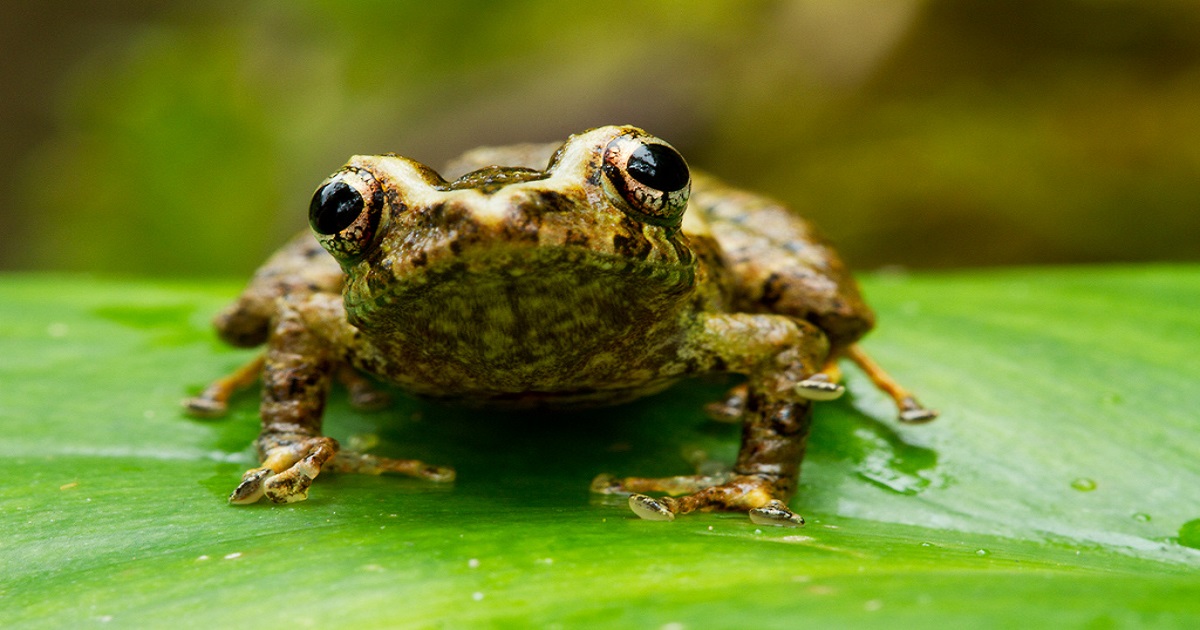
(610, 203)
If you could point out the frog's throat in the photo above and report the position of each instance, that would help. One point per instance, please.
(469, 286)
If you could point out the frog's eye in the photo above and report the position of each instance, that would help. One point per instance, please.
(648, 179)
(345, 212)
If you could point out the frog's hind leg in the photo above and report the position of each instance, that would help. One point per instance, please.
(300, 266)
(298, 370)
(213, 402)
(910, 409)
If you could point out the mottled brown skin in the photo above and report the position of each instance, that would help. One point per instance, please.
(559, 286)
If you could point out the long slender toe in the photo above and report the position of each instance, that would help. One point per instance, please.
(250, 490)
(651, 509)
(206, 408)
(776, 513)
(913, 412)
(819, 389)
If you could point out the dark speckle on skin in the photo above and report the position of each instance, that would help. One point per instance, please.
(772, 290)
(549, 201)
(629, 246)
(593, 178)
(520, 225)
(576, 238)
(630, 242)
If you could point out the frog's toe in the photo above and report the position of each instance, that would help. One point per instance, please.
(292, 484)
(204, 407)
(819, 388)
(913, 412)
(652, 509)
(732, 408)
(776, 513)
(251, 488)
(367, 464)
(605, 483)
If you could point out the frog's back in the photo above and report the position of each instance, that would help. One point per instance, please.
(779, 262)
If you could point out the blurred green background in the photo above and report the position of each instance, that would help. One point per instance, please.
(181, 138)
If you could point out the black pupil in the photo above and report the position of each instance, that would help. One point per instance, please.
(334, 207)
(659, 167)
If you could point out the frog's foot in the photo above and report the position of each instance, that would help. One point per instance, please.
(289, 469)
(820, 386)
(364, 395)
(286, 472)
(213, 402)
(365, 464)
(753, 493)
(206, 407)
(913, 412)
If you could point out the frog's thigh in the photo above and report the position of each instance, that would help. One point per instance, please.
(299, 266)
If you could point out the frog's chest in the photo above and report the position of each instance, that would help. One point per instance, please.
(514, 332)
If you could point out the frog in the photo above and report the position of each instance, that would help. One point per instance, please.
(583, 273)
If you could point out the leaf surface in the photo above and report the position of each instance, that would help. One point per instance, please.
(1061, 486)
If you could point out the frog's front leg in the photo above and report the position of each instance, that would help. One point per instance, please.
(297, 369)
(778, 354)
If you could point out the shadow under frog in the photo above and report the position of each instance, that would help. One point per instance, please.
(606, 275)
(557, 452)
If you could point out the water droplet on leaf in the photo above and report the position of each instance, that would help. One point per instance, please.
(1083, 484)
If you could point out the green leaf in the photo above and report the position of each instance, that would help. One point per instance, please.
(1061, 486)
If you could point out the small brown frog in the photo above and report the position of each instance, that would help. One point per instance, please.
(589, 273)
